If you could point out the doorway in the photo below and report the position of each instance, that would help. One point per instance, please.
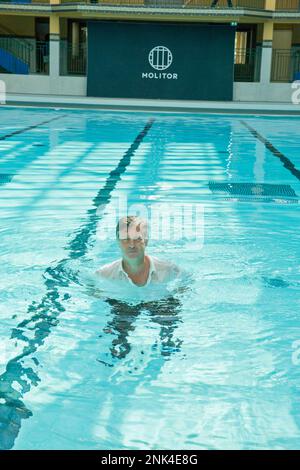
(42, 45)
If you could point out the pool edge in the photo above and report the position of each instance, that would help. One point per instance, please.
(136, 105)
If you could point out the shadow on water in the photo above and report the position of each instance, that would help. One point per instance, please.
(17, 379)
(45, 316)
(162, 312)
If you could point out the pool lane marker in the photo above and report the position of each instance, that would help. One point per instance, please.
(29, 128)
(45, 315)
(285, 160)
(78, 246)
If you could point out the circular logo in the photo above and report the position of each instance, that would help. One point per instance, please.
(160, 58)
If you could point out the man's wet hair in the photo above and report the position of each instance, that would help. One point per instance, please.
(128, 220)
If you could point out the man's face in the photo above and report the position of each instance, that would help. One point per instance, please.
(132, 239)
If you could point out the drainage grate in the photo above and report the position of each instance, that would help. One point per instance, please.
(262, 199)
(4, 178)
(253, 189)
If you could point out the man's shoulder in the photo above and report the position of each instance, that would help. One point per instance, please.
(165, 268)
(109, 269)
(163, 263)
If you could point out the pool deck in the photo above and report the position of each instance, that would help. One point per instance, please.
(231, 107)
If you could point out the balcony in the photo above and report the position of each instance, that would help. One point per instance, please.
(249, 4)
(182, 8)
(288, 5)
(281, 5)
(195, 4)
(184, 5)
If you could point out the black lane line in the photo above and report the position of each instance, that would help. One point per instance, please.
(285, 160)
(20, 131)
(45, 315)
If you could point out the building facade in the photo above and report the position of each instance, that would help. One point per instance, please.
(58, 47)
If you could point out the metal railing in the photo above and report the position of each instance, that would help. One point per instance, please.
(250, 4)
(292, 5)
(5, 31)
(217, 4)
(73, 58)
(42, 56)
(283, 5)
(285, 65)
(21, 57)
(17, 48)
(247, 65)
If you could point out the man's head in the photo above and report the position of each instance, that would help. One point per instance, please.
(132, 235)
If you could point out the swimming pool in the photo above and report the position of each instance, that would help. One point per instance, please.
(212, 366)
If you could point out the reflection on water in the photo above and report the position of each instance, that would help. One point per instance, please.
(17, 380)
(164, 312)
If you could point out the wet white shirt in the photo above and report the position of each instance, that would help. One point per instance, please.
(159, 271)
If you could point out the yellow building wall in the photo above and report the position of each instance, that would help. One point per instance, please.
(293, 27)
(282, 4)
(19, 25)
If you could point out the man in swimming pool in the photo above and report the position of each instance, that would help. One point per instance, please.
(135, 266)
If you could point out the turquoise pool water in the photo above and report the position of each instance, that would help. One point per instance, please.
(214, 365)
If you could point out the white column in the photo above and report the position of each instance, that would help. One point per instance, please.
(54, 50)
(54, 55)
(266, 62)
(267, 45)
